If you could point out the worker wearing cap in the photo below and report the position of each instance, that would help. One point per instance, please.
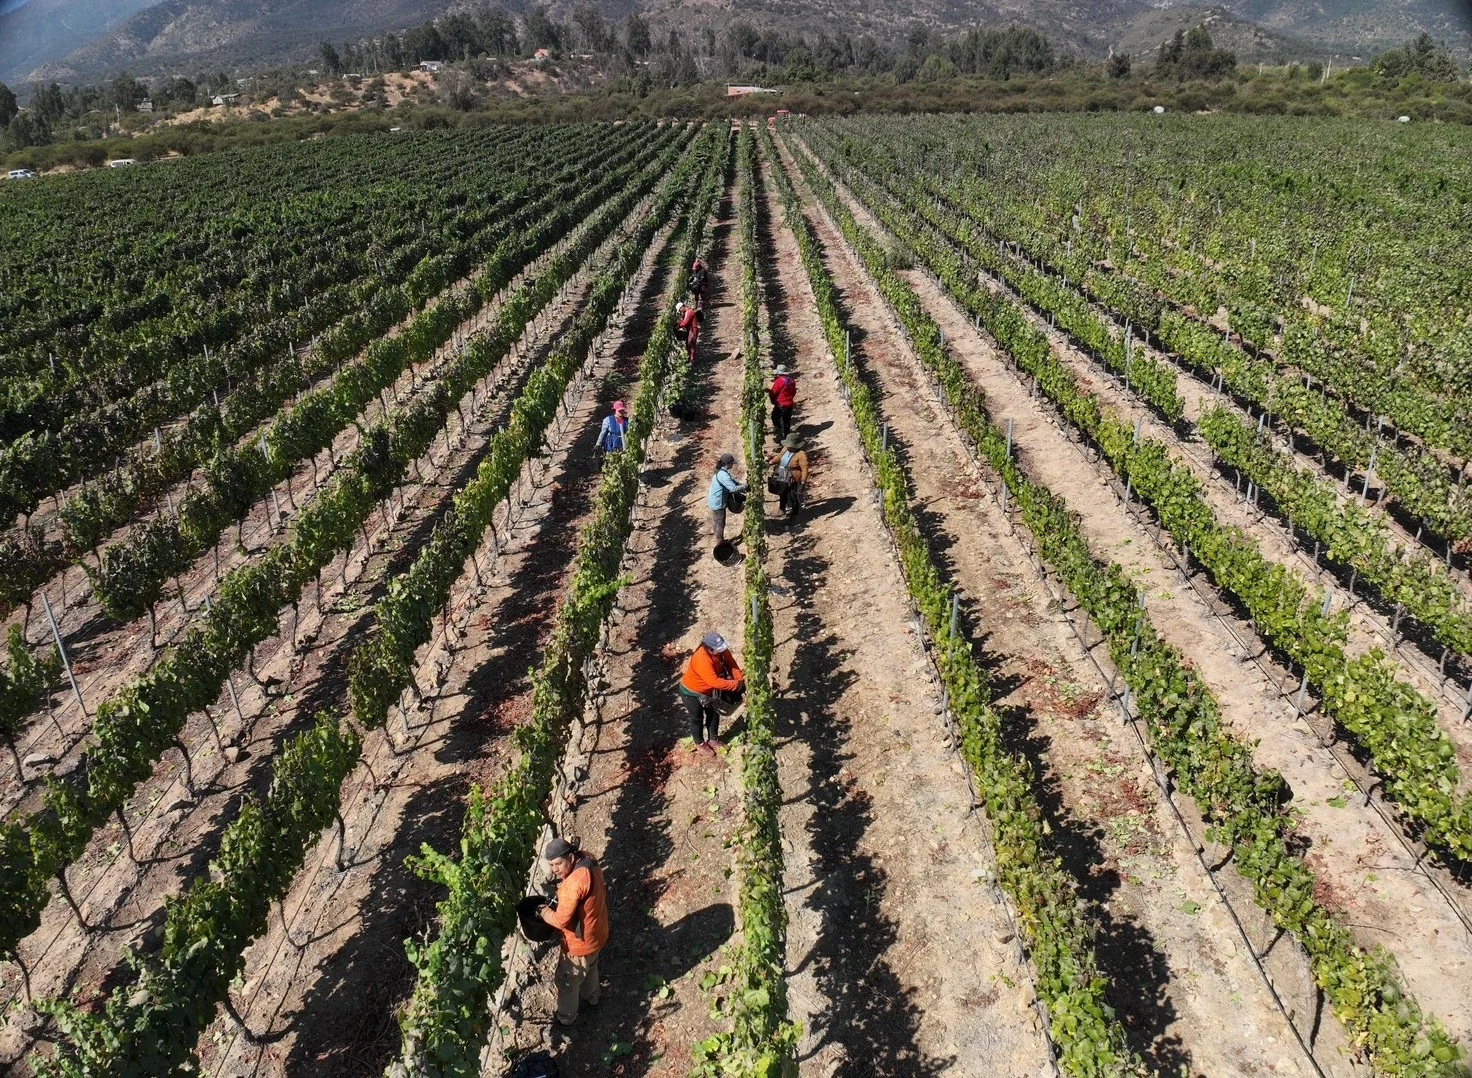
(581, 915)
(615, 429)
(722, 486)
(711, 670)
(782, 394)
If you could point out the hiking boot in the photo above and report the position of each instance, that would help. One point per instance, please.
(707, 748)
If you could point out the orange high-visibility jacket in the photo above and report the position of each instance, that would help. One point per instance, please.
(706, 672)
(582, 912)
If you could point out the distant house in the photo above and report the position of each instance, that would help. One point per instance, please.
(432, 66)
(145, 105)
(541, 56)
(742, 91)
(224, 99)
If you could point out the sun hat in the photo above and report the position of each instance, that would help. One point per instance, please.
(715, 642)
(792, 441)
(782, 369)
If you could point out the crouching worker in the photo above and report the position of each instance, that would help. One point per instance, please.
(712, 676)
(581, 915)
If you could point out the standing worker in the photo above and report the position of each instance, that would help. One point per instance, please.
(581, 915)
(699, 283)
(789, 474)
(711, 671)
(615, 429)
(688, 321)
(782, 394)
(722, 486)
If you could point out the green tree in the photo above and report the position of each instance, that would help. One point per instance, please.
(636, 35)
(8, 105)
(541, 31)
(331, 61)
(1119, 65)
(592, 30)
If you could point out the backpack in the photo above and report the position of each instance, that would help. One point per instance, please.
(784, 464)
(536, 1065)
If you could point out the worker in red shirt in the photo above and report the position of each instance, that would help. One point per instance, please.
(581, 915)
(782, 394)
(688, 322)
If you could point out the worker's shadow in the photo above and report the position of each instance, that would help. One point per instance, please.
(691, 940)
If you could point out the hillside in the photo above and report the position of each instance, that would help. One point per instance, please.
(74, 39)
(35, 30)
(1363, 25)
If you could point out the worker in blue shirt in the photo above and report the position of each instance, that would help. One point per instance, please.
(722, 487)
(615, 430)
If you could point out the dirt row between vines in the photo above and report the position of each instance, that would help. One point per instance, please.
(899, 958)
(658, 814)
(1365, 873)
(76, 617)
(46, 514)
(295, 674)
(330, 1004)
(1177, 963)
(105, 654)
(1370, 621)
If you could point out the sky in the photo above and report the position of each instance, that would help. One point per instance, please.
(10, 5)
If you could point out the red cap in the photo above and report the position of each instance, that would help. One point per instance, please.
(618, 406)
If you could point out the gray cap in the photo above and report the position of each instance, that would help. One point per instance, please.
(725, 460)
(558, 847)
(715, 641)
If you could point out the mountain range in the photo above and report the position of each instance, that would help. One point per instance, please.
(80, 39)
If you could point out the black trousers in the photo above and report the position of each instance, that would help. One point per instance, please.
(705, 719)
(782, 420)
(791, 498)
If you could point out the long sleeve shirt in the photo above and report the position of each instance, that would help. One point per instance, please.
(784, 390)
(707, 671)
(614, 431)
(721, 484)
(689, 323)
(797, 464)
(582, 910)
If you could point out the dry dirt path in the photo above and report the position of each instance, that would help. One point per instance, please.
(1365, 872)
(299, 672)
(330, 1004)
(657, 814)
(900, 962)
(1177, 962)
(1370, 624)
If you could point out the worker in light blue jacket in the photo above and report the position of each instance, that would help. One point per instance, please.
(722, 487)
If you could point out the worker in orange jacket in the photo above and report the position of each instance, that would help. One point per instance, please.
(581, 916)
(711, 675)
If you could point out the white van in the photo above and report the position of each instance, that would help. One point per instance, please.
(21, 174)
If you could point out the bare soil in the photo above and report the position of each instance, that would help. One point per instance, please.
(1357, 852)
(308, 1002)
(1175, 958)
(174, 831)
(901, 959)
(657, 813)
